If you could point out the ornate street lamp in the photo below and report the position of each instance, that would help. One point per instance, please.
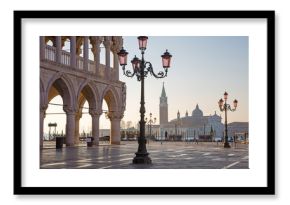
(150, 122)
(141, 68)
(225, 107)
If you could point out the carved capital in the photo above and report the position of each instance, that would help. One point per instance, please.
(70, 110)
(116, 44)
(107, 43)
(115, 48)
(43, 108)
(115, 115)
(94, 112)
(99, 39)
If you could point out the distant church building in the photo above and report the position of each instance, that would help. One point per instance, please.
(196, 126)
(163, 108)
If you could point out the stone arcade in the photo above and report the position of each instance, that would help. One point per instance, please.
(77, 79)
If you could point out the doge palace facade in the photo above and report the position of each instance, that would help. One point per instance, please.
(77, 79)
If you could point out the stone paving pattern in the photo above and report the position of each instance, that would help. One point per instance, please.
(168, 155)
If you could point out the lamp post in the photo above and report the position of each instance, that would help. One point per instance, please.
(225, 107)
(150, 123)
(141, 69)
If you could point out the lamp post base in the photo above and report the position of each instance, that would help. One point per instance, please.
(227, 145)
(142, 159)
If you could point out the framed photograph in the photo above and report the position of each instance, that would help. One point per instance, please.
(192, 112)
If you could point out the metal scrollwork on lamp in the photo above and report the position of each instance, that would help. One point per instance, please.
(226, 107)
(141, 69)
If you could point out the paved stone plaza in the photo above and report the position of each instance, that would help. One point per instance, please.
(168, 155)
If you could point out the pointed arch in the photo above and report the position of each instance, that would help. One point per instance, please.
(50, 38)
(65, 43)
(80, 103)
(110, 95)
(87, 90)
(61, 84)
(92, 48)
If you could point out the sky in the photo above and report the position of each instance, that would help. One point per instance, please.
(202, 69)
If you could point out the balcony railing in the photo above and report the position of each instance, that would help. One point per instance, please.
(80, 63)
(65, 58)
(104, 72)
(50, 53)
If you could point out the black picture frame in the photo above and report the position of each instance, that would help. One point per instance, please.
(19, 189)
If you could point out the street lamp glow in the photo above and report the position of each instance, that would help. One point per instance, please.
(136, 63)
(166, 59)
(226, 95)
(122, 57)
(221, 103)
(235, 103)
(142, 42)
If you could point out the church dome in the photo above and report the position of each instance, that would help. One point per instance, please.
(197, 112)
(216, 117)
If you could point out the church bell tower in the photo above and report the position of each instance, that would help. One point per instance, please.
(163, 108)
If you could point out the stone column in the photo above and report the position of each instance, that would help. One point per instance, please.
(116, 46)
(95, 125)
(58, 48)
(86, 53)
(42, 47)
(77, 131)
(97, 54)
(115, 118)
(70, 127)
(73, 51)
(116, 66)
(107, 44)
(42, 116)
